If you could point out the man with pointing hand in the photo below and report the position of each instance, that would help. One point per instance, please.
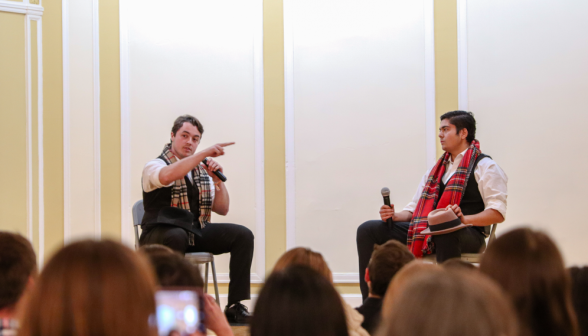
(179, 194)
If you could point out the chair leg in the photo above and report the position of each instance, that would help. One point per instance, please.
(215, 283)
(206, 277)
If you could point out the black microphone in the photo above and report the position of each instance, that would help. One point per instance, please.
(386, 195)
(222, 176)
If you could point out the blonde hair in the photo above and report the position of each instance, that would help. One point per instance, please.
(402, 278)
(306, 257)
(454, 302)
(92, 288)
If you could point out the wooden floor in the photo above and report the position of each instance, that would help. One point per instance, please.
(237, 331)
(240, 331)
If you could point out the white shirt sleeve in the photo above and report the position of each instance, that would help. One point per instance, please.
(150, 178)
(492, 183)
(415, 199)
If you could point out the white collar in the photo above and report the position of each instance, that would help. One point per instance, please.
(460, 155)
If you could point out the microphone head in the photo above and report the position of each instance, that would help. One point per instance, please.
(385, 192)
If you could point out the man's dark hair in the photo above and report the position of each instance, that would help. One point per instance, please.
(171, 269)
(461, 120)
(189, 119)
(387, 259)
(17, 264)
(579, 277)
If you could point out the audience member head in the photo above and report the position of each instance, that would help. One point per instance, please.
(152, 249)
(92, 288)
(580, 296)
(298, 301)
(456, 263)
(387, 259)
(306, 257)
(449, 303)
(529, 267)
(402, 278)
(171, 269)
(18, 268)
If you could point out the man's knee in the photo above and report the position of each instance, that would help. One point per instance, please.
(246, 235)
(364, 229)
(176, 239)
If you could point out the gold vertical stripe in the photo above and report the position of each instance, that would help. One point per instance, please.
(53, 125)
(445, 59)
(275, 152)
(13, 177)
(110, 150)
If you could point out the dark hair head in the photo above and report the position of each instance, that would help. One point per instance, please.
(171, 269)
(449, 303)
(179, 122)
(17, 264)
(580, 296)
(528, 266)
(298, 301)
(387, 259)
(461, 120)
(458, 264)
(304, 256)
(92, 288)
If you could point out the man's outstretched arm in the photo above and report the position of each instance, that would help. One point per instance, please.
(180, 168)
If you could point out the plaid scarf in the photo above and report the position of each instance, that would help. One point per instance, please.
(420, 244)
(179, 194)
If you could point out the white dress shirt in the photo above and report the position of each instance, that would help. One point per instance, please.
(151, 180)
(491, 180)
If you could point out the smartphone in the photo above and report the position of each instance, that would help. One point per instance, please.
(179, 311)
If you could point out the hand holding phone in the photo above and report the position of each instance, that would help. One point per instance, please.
(179, 312)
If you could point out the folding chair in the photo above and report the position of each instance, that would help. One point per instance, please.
(195, 258)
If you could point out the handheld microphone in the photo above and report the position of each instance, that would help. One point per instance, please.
(222, 176)
(386, 196)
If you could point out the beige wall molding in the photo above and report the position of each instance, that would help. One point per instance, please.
(21, 8)
(29, 134)
(429, 125)
(127, 235)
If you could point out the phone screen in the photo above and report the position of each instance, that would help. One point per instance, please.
(179, 312)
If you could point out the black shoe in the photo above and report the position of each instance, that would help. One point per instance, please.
(237, 314)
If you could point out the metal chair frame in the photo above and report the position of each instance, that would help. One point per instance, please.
(195, 258)
(473, 258)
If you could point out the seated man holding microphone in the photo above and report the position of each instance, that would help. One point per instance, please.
(180, 189)
(464, 180)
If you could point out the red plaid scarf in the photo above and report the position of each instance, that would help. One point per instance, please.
(417, 243)
(180, 189)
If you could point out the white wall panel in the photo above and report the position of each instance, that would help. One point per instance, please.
(527, 84)
(80, 152)
(358, 117)
(197, 57)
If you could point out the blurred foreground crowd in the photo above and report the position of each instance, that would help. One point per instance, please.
(521, 288)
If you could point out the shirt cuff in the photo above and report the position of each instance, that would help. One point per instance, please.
(410, 207)
(498, 206)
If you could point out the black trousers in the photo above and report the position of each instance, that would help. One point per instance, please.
(447, 246)
(217, 238)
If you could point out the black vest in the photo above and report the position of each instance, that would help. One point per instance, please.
(472, 202)
(159, 198)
